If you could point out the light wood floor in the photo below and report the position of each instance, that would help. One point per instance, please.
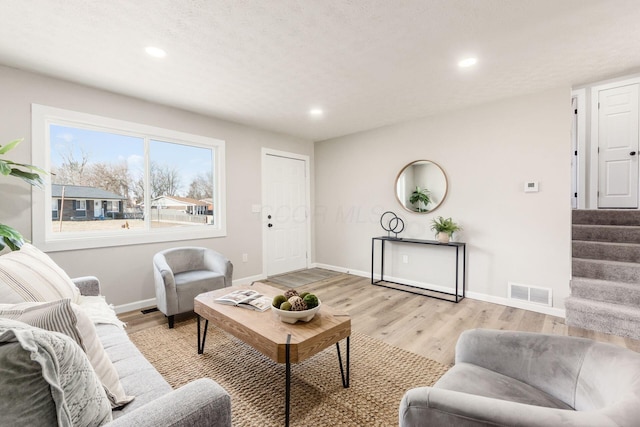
(420, 324)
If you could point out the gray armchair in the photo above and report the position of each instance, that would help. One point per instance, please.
(506, 378)
(180, 274)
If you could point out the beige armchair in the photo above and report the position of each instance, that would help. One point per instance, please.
(180, 274)
(506, 378)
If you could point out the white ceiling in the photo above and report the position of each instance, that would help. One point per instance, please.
(366, 63)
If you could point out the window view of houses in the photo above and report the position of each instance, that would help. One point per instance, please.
(102, 180)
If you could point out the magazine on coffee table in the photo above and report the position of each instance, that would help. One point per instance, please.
(246, 298)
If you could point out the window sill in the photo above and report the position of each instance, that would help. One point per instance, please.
(125, 238)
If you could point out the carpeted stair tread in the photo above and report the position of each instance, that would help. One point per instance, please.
(614, 319)
(606, 233)
(611, 251)
(617, 271)
(606, 216)
(606, 291)
(605, 287)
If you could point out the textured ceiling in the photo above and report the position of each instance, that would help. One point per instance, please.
(367, 63)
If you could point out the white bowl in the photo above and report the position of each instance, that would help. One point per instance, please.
(294, 316)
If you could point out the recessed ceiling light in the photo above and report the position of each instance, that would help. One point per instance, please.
(316, 112)
(156, 52)
(467, 62)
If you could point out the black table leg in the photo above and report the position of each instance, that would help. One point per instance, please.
(345, 380)
(288, 380)
(204, 335)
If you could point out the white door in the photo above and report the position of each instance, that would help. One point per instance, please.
(285, 213)
(97, 209)
(618, 147)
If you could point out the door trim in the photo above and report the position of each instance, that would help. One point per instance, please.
(594, 167)
(581, 129)
(263, 221)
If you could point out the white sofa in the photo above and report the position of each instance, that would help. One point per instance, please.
(200, 403)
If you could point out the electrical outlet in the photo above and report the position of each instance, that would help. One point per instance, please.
(405, 259)
(245, 257)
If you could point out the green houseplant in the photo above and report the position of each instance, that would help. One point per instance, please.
(444, 228)
(421, 196)
(9, 236)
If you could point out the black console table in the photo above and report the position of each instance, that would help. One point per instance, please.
(458, 295)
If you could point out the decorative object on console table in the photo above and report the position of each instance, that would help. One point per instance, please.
(32, 175)
(444, 228)
(391, 223)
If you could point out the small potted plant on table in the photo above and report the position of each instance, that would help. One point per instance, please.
(444, 228)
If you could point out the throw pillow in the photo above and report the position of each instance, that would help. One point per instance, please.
(69, 381)
(30, 275)
(68, 318)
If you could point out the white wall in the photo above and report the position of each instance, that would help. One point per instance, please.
(126, 272)
(487, 152)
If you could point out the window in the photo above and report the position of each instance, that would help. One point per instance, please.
(54, 208)
(116, 183)
(80, 208)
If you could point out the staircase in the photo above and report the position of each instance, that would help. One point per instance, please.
(605, 288)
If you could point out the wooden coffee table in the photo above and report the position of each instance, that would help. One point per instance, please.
(279, 341)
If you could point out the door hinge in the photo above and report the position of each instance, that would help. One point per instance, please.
(575, 153)
(575, 194)
(598, 105)
(575, 111)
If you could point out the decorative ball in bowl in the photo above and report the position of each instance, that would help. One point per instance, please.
(291, 306)
(293, 316)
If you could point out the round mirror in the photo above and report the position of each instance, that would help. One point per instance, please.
(421, 186)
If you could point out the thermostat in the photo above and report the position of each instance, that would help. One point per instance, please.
(531, 187)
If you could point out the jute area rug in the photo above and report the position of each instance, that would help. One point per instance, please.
(380, 375)
(303, 277)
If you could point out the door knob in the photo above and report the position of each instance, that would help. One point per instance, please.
(633, 153)
(268, 216)
(269, 225)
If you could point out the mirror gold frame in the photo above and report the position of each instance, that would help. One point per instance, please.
(421, 186)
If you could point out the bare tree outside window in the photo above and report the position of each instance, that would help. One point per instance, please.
(200, 187)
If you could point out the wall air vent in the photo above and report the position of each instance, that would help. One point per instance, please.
(530, 294)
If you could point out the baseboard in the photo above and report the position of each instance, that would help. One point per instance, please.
(551, 311)
(136, 305)
(249, 280)
(343, 270)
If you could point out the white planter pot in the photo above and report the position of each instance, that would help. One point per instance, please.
(443, 237)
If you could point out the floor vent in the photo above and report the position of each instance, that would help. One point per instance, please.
(532, 294)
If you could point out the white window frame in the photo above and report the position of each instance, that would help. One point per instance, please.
(80, 204)
(55, 209)
(43, 235)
